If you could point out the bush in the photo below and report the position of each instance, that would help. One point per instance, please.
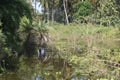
(83, 9)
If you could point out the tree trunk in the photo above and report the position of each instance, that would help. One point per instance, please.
(65, 11)
(44, 13)
(52, 11)
(48, 10)
(35, 7)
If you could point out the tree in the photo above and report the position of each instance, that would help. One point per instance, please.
(65, 10)
(117, 2)
(10, 14)
(83, 9)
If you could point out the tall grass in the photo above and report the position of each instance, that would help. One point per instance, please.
(90, 49)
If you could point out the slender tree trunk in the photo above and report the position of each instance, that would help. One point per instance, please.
(35, 7)
(52, 11)
(48, 10)
(44, 13)
(65, 10)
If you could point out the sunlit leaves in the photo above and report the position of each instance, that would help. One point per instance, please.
(108, 13)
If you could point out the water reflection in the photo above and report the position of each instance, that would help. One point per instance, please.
(73, 79)
(82, 78)
(38, 77)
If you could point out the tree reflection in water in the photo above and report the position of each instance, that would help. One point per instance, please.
(38, 77)
(82, 78)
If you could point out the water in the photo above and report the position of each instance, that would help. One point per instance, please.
(81, 78)
(34, 69)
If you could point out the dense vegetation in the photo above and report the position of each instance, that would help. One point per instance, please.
(85, 34)
(89, 50)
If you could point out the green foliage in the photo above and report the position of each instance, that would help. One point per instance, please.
(107, 13)
(40, 26)
(10, 13)
(104, 79)
(84, 8)
(88, 50)
(27, 35)
(0, 23)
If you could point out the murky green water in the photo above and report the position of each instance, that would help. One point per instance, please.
(34, 69)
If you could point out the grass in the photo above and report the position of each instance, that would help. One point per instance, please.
(85, 34)
(88, 48)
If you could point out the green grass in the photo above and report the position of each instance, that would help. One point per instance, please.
(88, 48)
(84, 33)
